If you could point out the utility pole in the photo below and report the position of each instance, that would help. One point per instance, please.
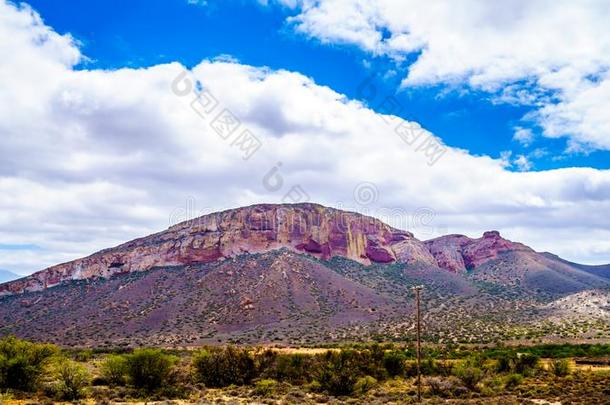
(417, 290)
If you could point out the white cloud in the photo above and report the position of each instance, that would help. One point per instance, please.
(524, 136)
(92, 158)
(202, 3)
(551, 55)
(523, 163)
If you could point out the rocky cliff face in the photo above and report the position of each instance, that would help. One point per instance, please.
(459, 253)
(307, 228)
(304, 228)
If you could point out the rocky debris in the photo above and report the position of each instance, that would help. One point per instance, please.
(583, 305)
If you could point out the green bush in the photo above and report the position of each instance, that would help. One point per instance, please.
(71, 379)
(294, 368)
(83, 355)
(513, 380)
(371, 362)
(527, 363)
(560, 367)
(520, 363)
(264, 387)
(506, 363)
(339, 372)
(394, 362)
(492, 385)
(114, 369)
(22, 363)
(218, 367)
(364, 384)
(149, 369)
(469, 375)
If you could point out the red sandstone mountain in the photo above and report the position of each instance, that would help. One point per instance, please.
(460, 253)
(298, 273)
(305, 228)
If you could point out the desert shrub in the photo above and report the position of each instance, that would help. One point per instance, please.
(527, 364)
(513, 380)
(506, 363)
(521, 363)
(394, 362)
(264, 387)
(70, 379)
(433, 367)
(429, 367)
(364, 384)
(114, 369)
(469, 375)
(294, 368)
(22, 363)
(313, 386)
(149, 369)
(560, 367)
(220, 367)
(371, 362)
(266, 362)
(443, 386)
(492, 385)
(83, 355)
(339, 372)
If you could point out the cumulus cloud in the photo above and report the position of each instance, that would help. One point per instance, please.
(551, 55)
(523, 163)
(524, 136)
(93, 158)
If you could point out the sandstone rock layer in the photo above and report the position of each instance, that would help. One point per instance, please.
(304, 228)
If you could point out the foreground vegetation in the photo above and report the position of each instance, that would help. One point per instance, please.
(353, 374)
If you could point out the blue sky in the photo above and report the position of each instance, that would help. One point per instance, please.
(97, 147)
(115, 34)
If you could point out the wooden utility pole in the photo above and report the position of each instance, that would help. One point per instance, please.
(417, 290)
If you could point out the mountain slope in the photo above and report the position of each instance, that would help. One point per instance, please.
(602, 270)
(245, 296)
(300, 274)
(308, 228)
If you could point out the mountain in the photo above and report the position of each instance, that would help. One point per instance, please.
(6, 275)
(299, 274)
(602, 270)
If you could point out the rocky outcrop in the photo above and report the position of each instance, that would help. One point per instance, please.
(303, 228)
(306, 228)
(413, 251)
(459, 253)
(447, 251)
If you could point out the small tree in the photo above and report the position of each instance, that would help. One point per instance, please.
(22, 363)
(223, 367)
(295, 368)
(71, 379)
(149, 368)
(560, 367)
(470, 375)
(527, 364)
(114, 369)
(394, 362)
(521, 363)
(339, 373)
